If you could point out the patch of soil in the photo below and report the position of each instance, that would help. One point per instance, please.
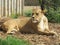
(36, 39)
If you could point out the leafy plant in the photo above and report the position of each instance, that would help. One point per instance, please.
(14, 15)
(10, 40)
(28, 13)
(53, 16)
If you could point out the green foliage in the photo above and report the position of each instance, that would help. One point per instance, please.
(50, 3)
(53, 16)
(14, 15)
(10, 40)
(28, 13)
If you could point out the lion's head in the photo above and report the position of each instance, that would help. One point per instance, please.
(36, 15)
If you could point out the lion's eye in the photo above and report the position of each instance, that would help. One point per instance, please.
(32, 13)
(37, 14)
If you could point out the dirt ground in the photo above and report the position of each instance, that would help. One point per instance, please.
(36, 39)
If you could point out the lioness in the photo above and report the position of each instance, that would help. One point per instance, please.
(38, 23)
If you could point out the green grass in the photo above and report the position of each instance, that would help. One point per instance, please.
(10, 40)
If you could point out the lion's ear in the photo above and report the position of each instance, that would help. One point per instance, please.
(44, 11)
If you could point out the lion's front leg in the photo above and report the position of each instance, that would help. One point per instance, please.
(42, 28)
(46, 32)
(41, 31)
(49, 32)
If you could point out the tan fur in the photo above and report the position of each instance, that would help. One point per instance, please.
(3, 19)
(38, 23)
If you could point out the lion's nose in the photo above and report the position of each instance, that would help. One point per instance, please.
(33, 17)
